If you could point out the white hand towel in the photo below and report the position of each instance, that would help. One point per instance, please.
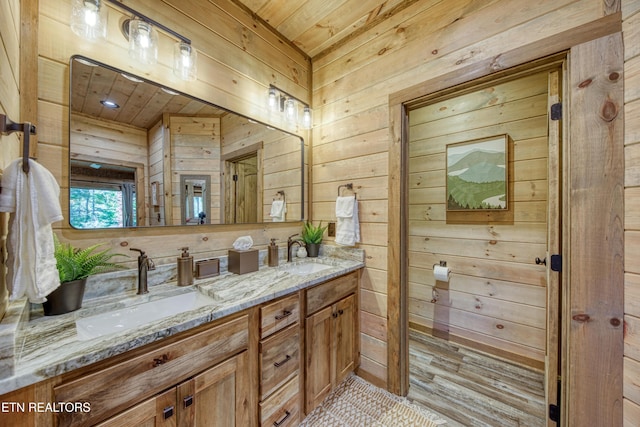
(348, 224)
(34, 203)
(278, 211)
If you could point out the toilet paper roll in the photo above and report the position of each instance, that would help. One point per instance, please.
(441, 273)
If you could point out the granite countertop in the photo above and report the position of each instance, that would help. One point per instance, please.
(46, 346)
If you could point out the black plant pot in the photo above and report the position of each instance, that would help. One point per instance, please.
(67, 298)
(313, 249)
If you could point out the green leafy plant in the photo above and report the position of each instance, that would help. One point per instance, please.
(311, 233)
(74, 263)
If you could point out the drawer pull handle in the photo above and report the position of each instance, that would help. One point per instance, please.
(187, 401)
(167, 412)
(285, 313)
(340, 312)
(278, 364)
(279, 423)
(160, 360)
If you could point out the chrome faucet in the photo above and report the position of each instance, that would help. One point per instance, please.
(144, 265)
(290, 243)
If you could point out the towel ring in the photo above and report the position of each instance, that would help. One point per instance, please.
(348, 186)
(280, 195)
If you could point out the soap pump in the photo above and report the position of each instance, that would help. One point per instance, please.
(273, 253)
(185, 268)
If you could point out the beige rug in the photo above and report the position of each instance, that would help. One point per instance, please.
(357, 403)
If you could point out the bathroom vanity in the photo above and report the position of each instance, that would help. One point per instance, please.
(262, 348)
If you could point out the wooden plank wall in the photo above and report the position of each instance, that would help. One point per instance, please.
(496, 297)
(238, 58)
(9, 105)
(281, 161)
(631, 37)
(351, 87)
(155, 137)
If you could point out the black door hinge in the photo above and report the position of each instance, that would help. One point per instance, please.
(556, 263)
(556, 111)
(235, 177)
(554, 413)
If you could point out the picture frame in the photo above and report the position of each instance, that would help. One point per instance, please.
(477, 177)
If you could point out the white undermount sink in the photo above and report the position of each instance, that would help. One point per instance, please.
(303, 269)
(137, 315)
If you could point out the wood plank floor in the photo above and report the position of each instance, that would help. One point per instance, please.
(469, 388)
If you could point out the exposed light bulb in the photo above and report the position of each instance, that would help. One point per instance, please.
(89, 19)
(143, 42)
(291, 110)
(306, 118)
(184, 61)
(272, 100)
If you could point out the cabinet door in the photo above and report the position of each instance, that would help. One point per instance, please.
(218, 397)
(345, 337)
(159, 411)
(319, 344)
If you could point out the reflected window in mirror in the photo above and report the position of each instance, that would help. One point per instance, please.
(102, 196)
(163, 134)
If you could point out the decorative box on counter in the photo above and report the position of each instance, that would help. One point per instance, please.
(207, 268)
(241, 262)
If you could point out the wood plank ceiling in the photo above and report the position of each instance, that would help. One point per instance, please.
(317, 26)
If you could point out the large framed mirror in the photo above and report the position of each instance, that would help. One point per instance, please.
(142, 154)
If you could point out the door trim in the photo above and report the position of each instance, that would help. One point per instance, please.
(397, 344)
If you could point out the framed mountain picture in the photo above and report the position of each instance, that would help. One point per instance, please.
(477, 174)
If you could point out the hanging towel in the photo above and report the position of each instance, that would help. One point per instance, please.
(348, 224)
(33, 201)
(278, 210)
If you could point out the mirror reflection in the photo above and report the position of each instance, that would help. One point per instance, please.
(144, 155)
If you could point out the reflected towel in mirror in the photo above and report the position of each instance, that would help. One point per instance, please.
(278, 210)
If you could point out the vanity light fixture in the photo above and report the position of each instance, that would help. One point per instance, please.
(279, 101)
(89, 20)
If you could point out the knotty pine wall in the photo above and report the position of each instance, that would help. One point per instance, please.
(494, 282)
(631, 37)
(237, 59)
(9, 105)
(351, 87)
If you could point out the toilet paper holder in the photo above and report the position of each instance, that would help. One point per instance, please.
(441, 264)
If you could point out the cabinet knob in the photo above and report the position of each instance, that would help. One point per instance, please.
(340, 312)
(167, 412)
(287, 414)
(334, 315)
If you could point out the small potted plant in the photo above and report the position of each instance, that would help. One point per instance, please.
(312, 237)
(74, 266)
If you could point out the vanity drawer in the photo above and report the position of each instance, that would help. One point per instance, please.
(124, 384)
(279, 359)
(282, 409)
(278, 315)
(329, 292)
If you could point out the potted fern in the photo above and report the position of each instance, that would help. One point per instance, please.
(312, 237)
(74, 266)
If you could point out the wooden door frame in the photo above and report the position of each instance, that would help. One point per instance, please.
(397, 311)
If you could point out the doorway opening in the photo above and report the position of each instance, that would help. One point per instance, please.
(485, 335)
(242, 189)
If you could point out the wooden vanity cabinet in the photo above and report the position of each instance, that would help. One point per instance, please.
(280, 362)
(331, 336)
(184, 382)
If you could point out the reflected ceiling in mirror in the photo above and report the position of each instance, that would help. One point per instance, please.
(131, 141)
